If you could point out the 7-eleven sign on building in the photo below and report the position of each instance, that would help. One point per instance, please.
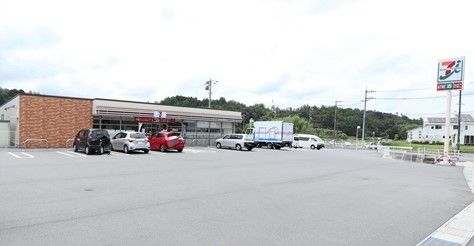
(450, 74)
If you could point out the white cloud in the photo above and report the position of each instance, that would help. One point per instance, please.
(294, 52)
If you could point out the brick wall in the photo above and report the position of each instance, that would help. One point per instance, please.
(52, 118)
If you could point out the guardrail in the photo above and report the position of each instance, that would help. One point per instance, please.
(453, 156)
(191, 142)
(42, 140)
(421, 155)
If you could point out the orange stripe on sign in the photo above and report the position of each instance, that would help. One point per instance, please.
(448, 64)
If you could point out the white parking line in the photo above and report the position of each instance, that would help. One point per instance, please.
(156, 152)
(13, 155)
(197, 151)
(24, 155)
(62, 153)
(74, 153)
(29, 156)
(119, 154)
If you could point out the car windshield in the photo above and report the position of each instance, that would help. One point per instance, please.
(137, 135)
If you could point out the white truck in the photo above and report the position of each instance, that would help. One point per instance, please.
(271, 134)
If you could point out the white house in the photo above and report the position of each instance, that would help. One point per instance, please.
(433, 130)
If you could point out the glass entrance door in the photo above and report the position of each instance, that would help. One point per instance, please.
(151, 129)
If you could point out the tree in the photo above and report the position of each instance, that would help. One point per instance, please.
(311, 119)
(6, 94)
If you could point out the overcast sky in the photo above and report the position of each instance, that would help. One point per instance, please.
(289, 52)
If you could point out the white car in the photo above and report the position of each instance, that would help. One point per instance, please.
(130, 141)
(237, 141)
(371, 146)
(307, 141)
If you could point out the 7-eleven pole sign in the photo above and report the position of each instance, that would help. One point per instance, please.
(450, 77)
(450, 74)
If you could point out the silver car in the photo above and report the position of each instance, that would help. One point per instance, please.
(237, 141)
(130, 141)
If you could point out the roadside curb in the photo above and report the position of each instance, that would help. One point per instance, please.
(468, 172)
(459, 229)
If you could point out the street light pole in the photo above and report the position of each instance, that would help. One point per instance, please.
(357, 136)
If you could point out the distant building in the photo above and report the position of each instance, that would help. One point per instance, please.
(433, 130)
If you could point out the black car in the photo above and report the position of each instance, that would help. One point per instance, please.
(92, 140)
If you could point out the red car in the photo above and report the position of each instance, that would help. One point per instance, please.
(164, 141)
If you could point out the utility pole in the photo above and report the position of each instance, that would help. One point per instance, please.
(209, 84)
(458, 143)
(365, 108)
(335, 122)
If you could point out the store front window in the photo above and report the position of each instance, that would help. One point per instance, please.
(196, 133)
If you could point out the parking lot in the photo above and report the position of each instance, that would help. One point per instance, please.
(207, 196)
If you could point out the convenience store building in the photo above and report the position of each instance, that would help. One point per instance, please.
(31, 120)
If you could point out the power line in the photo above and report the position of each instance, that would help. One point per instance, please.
(417, 98)
(416, 89)
(428, 114)
(351, 105)
(408, 98)
(401, 90)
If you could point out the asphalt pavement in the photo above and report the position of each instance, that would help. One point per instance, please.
(206, 196)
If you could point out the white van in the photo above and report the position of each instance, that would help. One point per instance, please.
(307, 141)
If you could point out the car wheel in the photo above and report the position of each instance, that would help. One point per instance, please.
(101, 151)
(74, 147)
(313, 147)
(146, 151)
(218, 145)
(270, 146)
(162, 148)
(87, 150)
(180, 150)
(125, 149)
(238, 147)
